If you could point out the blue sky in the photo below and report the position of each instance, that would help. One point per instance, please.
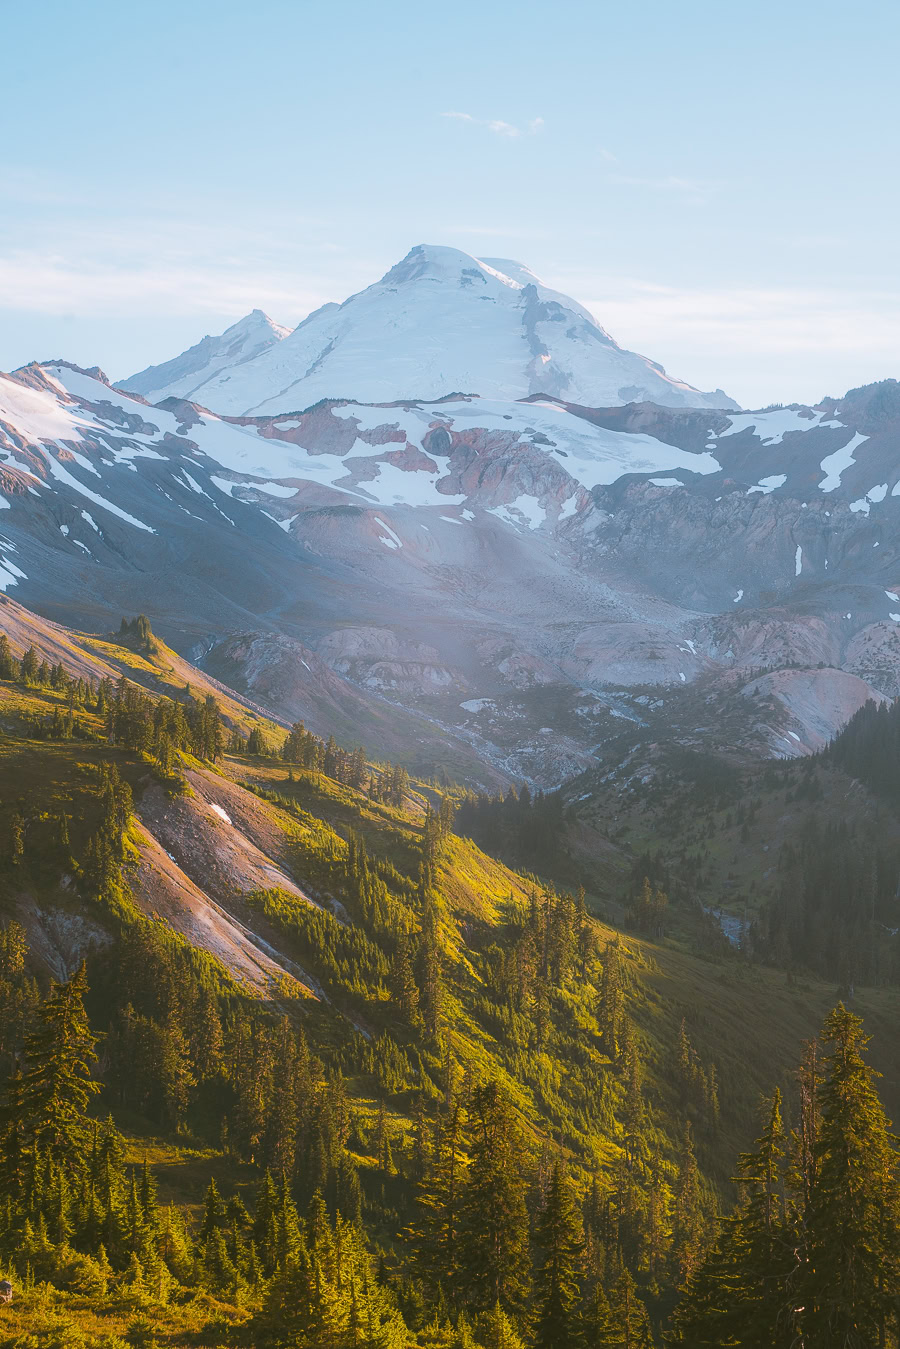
(717, 182)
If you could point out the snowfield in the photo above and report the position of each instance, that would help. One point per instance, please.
(440, 322)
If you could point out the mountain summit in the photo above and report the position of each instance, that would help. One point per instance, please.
(186, 375)
(438, 322)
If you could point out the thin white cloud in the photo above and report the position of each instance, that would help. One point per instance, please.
(784, 319)
(502, 128)
(46, 283)
(759, 344)
(606, 155)
(506, 130)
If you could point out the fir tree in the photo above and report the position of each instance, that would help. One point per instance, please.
(741, 1291)
(493, 1246)
(851, 1278)
(57, 1082)
(560, 1241)
(9, 666)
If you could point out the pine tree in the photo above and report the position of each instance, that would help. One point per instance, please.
(404, 990)
(9, 666)
(496, 1331)
(435, 1235)
(597, 1328)
(493, 1245)
(561, 1242)
(851, 1278)
(57, 1082)
(213, 1212)
(30, 666)
(432, 993)
(740, 1293)
(612, 1002)
(688, 1226)
(629, 1316)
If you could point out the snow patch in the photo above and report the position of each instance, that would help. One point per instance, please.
(62, 475)
(525, 508)
(394, 540)
(770, 427)
(833, 465)
(766, 485)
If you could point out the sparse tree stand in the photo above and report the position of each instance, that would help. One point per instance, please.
(812, 1256)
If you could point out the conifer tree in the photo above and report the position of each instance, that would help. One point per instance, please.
(496, 1331)
(612, 1002)
(741, 1291)
(560, 1241)
(404, 990)
(850, 1281)
(688, 1223)
(213, 1212)
(9, 666)
(435, 1235)
(493, 1245)
(30, 666)
(631, 1323)
(57, 1082)
(17, 838)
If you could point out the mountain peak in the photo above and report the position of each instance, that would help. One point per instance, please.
(439, 321)
(437, 262)
(186, 375)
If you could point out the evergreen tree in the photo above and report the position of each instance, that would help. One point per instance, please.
(30, 667)
(741, 1291)
(404, 989)
(57, 1082)
(560, 1242)
(612, 999)
(688, 1225)
(493, 1245)
(850, 1280)
(9, 666)
(632, 1329)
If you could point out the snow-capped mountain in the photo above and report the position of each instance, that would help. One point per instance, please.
(440, 322)
(187, 374)
(461, 556)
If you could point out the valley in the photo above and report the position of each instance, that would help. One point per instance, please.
(440, 796)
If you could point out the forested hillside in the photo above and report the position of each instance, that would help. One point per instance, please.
(291, 1061)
